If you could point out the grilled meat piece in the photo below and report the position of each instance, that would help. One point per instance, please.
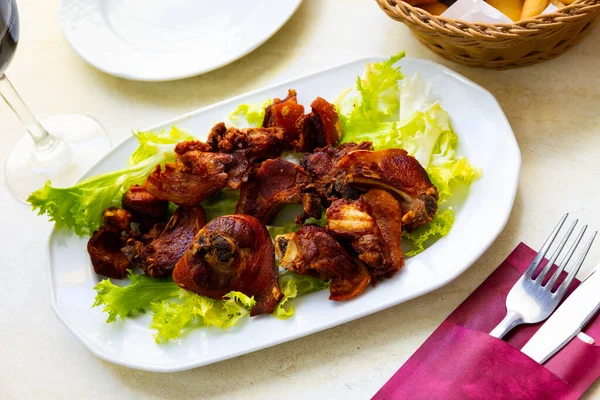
(117, 219)
(328, 178)
(146, 209)
(400, 174)
(196, 175)
(314, 252)
(320, 128)
(372, 226)
(104, 247)
(192, 145)
(284, 114)
(138, 200)
(157, 256)
(232, 253)
(276, 183)
(257, 143)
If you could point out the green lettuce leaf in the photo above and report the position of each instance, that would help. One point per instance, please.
(173, 317)
(176, 311)
(440, 226)
(152, 143)
(252, 114)
(135, 298)
(294, 285)
(446, 169)
(375, 99)
(80, 207)
(221, 203)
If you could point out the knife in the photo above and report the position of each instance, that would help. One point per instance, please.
(567, 321)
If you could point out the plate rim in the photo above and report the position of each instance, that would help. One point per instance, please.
(174, 77)
(199, 363)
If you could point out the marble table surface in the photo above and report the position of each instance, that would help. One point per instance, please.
(553, 108)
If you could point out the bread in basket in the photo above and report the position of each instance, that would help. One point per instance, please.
(498, 45)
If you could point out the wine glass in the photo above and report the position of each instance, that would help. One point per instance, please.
(59, 149)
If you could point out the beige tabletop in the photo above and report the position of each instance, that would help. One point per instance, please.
(554, 109)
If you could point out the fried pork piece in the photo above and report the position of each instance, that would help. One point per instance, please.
(329, 179)
(372, 226)
(146, 209)
(314, 252)
(276, 183)
(196, 175)
(138, 200)
(284, 114)
(159, 256)
(320, 128)
(191, 145)
(400, 174)
(257, 143)
(117, 219)
(232, 253)
(104, 247)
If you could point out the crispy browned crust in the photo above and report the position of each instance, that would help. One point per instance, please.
(117, 219)
(284, 114)
(371, 225)
(194, 145)
(314, 252)
(328, 179)
(276, 183)
(232, 253)
(400, 174)
(138, 200)
(158, 257)
(104, 248)
(256, 143)
(196, 176)
(319, 128)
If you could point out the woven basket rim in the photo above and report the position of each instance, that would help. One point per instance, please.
(538, 20)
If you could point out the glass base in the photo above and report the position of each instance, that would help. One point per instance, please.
(81, 143)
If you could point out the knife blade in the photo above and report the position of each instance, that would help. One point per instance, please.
(567, 321)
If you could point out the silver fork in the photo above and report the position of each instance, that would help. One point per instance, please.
(530, 301)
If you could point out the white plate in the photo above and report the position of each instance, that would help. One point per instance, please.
(159, 40)
(485, 138)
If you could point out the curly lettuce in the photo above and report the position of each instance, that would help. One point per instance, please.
(135, 298)
(394, 112)
(176, 311)
(440, 226)
(80, 207)
(172, 318)
(294, 285)
(249, 114)
(373, 101)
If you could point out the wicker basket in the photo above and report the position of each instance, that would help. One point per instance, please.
(501, 45)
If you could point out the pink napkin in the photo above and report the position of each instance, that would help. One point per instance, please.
(461, 361)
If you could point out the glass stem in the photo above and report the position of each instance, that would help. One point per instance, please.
(42, 139)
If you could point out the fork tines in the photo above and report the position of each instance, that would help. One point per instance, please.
(539, 279)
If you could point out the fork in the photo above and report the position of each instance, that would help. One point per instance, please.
(530, 300)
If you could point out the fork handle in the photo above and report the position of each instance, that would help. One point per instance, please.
(511, 320)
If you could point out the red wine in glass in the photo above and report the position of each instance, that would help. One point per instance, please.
(59, 149)
(9, 33)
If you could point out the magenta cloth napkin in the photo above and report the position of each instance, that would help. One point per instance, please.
(461, 361)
